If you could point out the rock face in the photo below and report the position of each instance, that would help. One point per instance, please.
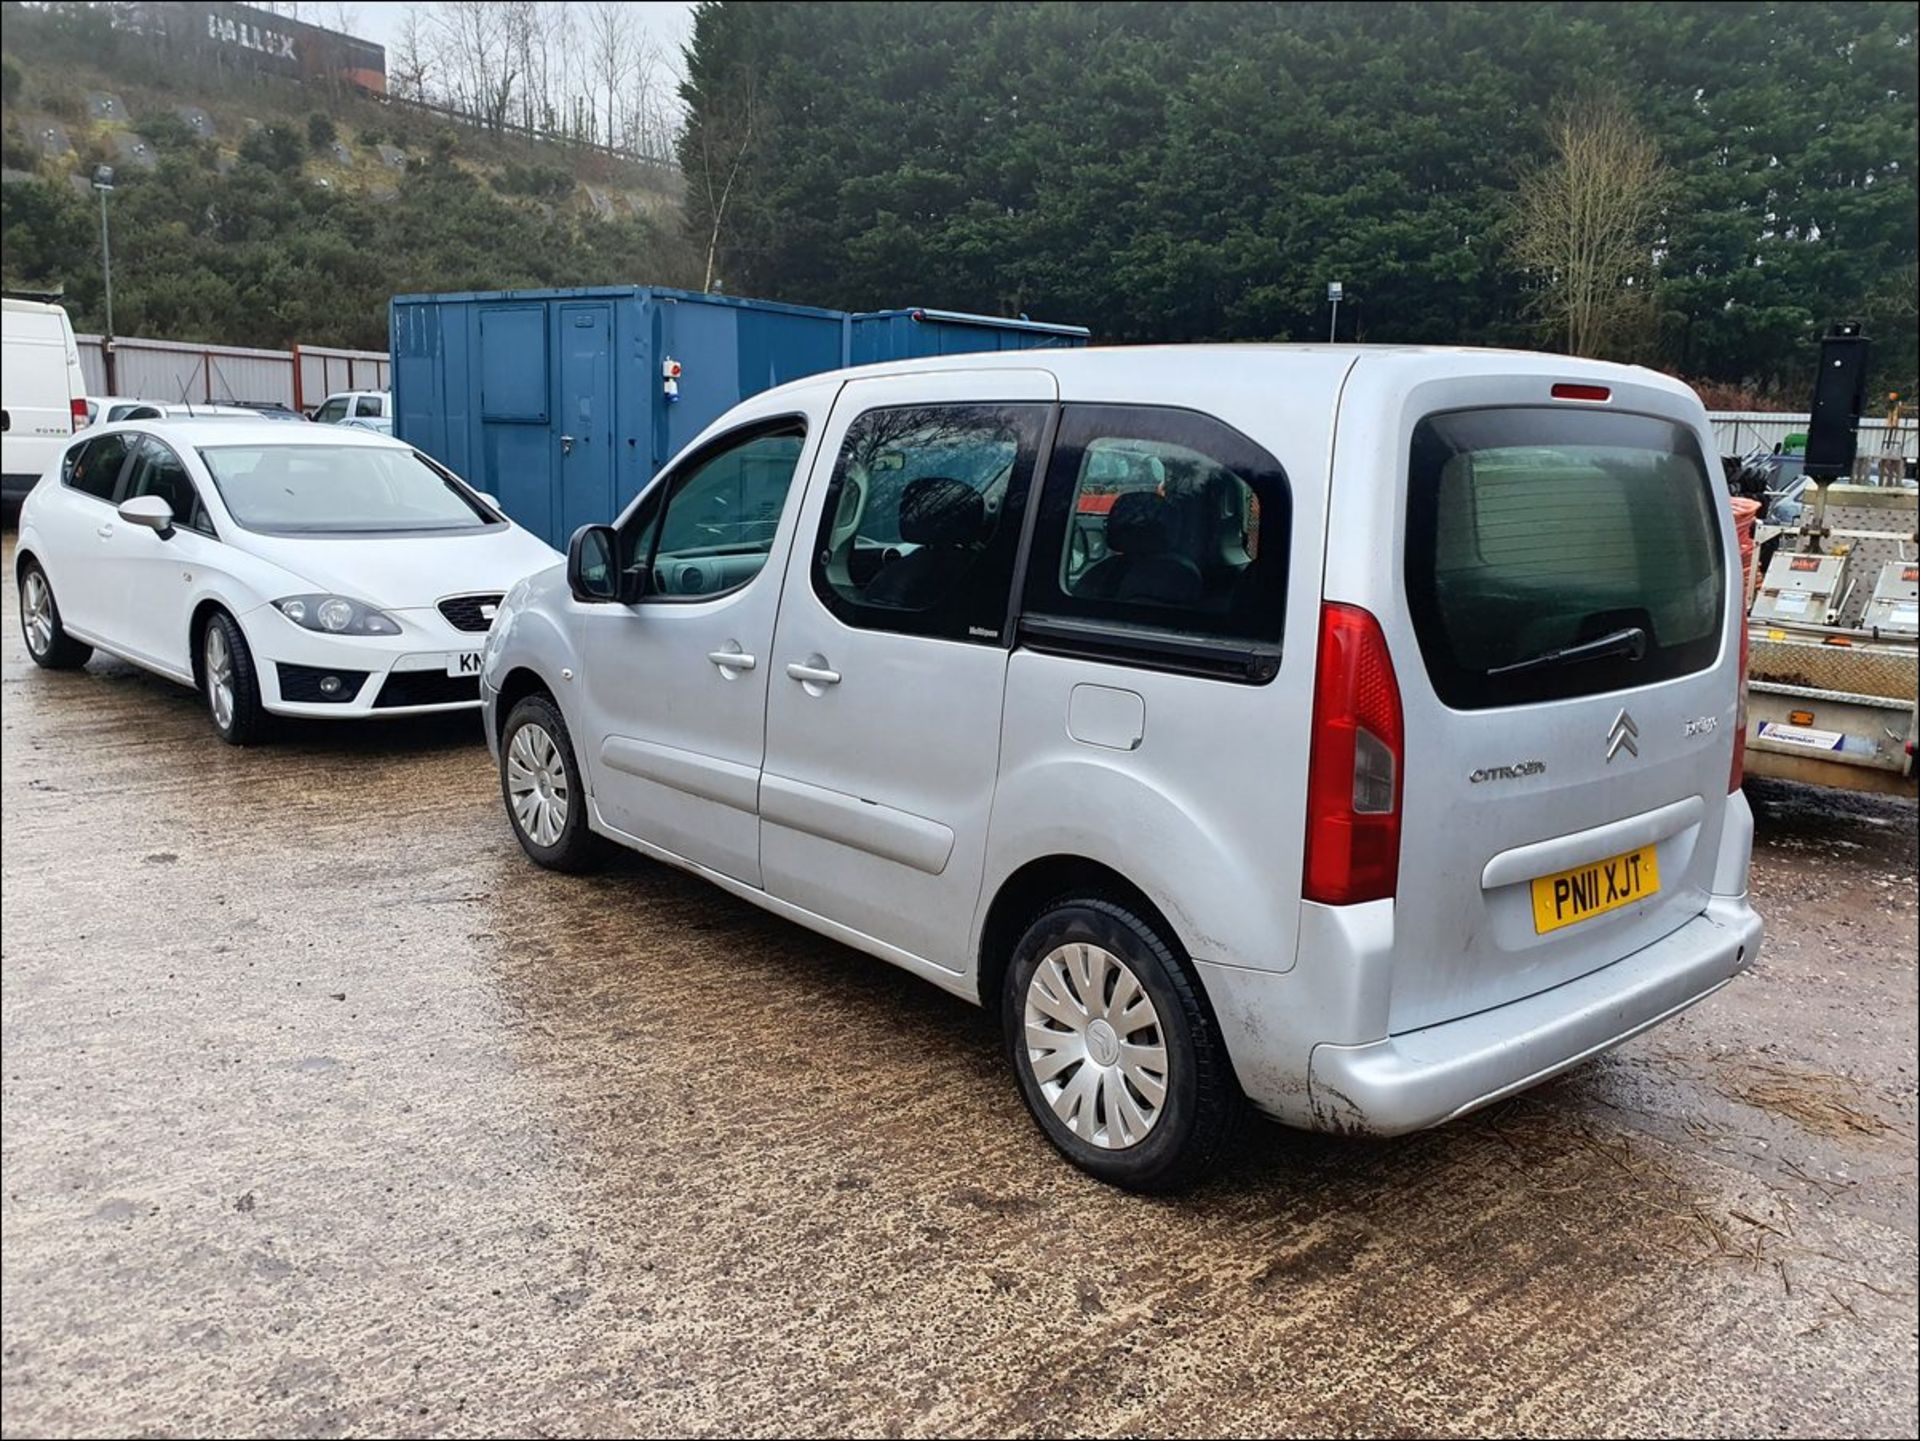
(134, 150)
(196, 120)
(105, 105)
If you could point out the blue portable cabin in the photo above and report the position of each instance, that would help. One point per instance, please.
(562, 404)
(879, 335)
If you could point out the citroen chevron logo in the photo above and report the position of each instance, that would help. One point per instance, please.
(1621, 736)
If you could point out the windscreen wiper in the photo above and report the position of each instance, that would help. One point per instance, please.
(1629, 641)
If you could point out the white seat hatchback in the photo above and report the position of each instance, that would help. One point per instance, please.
(1352, 732)
(280, 570)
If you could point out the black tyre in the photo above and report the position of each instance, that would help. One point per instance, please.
(47, 640)
(1114, 1047)
(229, 683)
(540, 783)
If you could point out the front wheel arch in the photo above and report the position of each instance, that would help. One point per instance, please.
(519, 683)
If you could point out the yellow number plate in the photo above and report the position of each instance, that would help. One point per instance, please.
(1593, 890)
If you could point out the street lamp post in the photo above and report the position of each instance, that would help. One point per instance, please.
(103, 182)
(1334, 292)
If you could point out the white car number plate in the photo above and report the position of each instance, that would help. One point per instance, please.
(463, 662)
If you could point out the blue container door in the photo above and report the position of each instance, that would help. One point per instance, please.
(583, 417)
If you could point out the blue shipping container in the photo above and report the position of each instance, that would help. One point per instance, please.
(556, 401)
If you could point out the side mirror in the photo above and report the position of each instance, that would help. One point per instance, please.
(152, 511)
(492, 500)
(593, 564)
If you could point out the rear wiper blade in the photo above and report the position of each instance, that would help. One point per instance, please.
(1629, 641)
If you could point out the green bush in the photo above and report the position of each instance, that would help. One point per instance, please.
(320, 132)
(273, 146)
(542, 182)
(20, 152)
(11, 78)
(168, 132)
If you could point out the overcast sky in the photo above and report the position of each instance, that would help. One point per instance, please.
(668, 21)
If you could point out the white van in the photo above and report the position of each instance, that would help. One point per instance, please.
(1350, 731)
(42, 394)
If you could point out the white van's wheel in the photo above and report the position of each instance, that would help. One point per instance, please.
(540, 783)
(47, 640)
(1116, 1054)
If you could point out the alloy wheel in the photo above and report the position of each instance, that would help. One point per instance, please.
(219, 668)
(36, 611)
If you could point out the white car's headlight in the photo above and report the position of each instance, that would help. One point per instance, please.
(336, 615)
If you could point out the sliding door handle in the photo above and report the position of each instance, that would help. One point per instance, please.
(813, 675)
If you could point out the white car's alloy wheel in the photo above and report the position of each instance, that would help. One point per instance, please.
(218, 663)
(537, 784)
(1094, 1045)
(37, 613)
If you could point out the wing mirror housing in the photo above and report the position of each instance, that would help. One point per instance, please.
(593, 565)
(152, 511)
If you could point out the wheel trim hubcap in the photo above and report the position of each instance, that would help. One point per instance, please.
(219, 665)
(537, 787)
(37, 612)
(1095, 1046)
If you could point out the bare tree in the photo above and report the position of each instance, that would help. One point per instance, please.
(410, 65)
(654, 114)
(720, 146)
(1586, 222)
(610, 59)
(475, 54)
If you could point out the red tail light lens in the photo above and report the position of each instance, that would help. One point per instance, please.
(79, 413)
(1739, 774)
(1355, 773)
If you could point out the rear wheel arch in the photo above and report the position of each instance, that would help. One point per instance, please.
(1029, 890)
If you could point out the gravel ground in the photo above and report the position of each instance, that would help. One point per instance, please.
(325, 1112)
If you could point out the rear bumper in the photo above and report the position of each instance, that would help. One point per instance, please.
(1422, 1078)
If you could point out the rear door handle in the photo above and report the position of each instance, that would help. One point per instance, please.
(104, 532)
(812, 674)
(732, 659)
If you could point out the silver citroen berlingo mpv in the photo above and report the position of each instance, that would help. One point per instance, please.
(1354, 732)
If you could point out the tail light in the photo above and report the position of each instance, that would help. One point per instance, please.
(1357, 759)
(1739, 773)
(79, 409)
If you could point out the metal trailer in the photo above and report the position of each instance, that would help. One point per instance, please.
(562, 404)
(1835, 703)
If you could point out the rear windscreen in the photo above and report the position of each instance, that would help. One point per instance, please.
(1553, 553)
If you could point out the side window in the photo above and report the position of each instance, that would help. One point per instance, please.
(370, 405)
(94, 468)
(721, 509)
(922, 518)
(1162, 540)
(158, 471)
(334, 409)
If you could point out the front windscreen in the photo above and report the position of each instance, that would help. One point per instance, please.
(1553, 554)
(338, 490)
